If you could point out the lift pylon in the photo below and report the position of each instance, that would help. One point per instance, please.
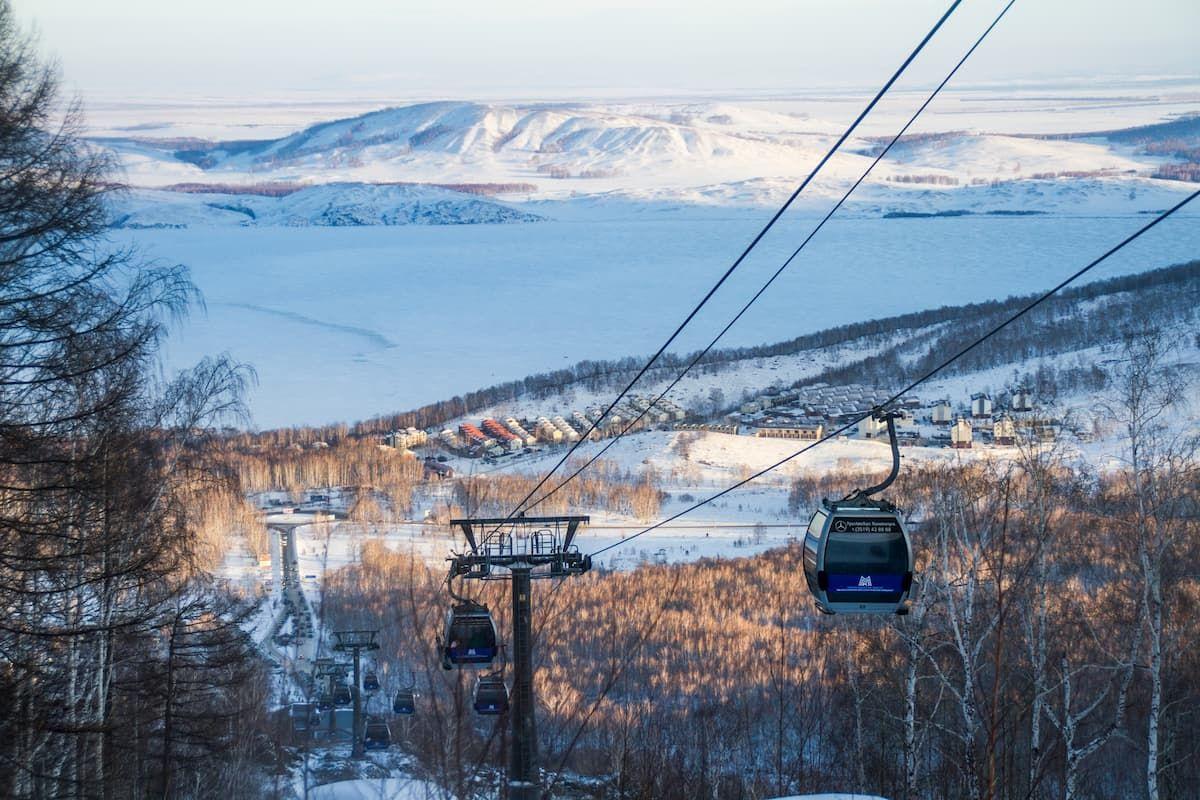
(520, 549)
(356, 642)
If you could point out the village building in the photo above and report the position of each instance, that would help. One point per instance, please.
(1022, 400)
(981, 406)
(961, 434)
(1004, 432)
(806, 428)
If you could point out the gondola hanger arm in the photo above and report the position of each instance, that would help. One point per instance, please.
(882, 414)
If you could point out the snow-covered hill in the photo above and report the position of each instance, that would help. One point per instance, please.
(326, 205)
(486, 140)
(710, 153)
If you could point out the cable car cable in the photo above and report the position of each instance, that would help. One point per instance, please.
(770, 224)
(700, 355)
(1022, 312)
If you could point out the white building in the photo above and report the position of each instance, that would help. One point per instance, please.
(871, 428)
(450, 439)
(981, 406)
(943, 414)
(807, 429)
(1004, 432)
(582, 424)
(569, 433)
(961, 434)
(547, 432)
(519, 430)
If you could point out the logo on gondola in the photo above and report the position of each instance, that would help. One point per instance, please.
(864, 580)
(839, 525)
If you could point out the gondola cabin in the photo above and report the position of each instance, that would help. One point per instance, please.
(470, 636)
(858, 558)
(491, 695)
(304, 716)
(342, 696)
(370, 682)
(404, 702)
(377, 736)
(325, 702)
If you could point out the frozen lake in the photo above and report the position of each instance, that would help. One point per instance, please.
(346, 323)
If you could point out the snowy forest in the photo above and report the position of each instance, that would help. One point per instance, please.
(1114, 306)
(123, 668)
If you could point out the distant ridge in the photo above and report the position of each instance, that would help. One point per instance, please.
(282, 189)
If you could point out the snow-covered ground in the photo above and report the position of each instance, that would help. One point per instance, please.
(380, 789)
(412, 789)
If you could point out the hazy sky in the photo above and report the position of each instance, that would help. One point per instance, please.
(527, 47)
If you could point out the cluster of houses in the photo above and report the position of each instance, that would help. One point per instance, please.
(714, 427)
(1002, 422)
(809, 412)
(806, 413)
(406, 439)
(495, 438)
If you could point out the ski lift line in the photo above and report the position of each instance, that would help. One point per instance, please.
(893, 398)
(702, 353)
(754, 242)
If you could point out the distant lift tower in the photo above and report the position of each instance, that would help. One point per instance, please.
(355, 642)
(521, 548)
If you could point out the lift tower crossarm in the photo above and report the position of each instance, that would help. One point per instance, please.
(543, 545)
(468, 526)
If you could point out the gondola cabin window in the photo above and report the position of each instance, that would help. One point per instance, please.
(812, 546)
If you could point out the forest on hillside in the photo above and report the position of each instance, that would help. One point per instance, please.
(1098, 313)
(1051, 650)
